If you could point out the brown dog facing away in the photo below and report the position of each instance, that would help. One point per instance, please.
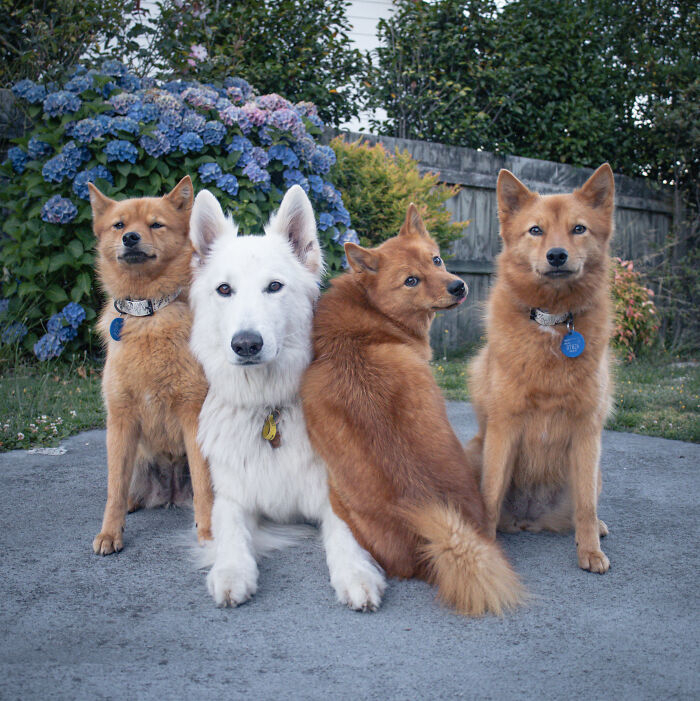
(398, 475)
(541, 412)
(152, 386)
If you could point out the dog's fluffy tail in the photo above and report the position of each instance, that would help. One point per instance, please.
(267, 537)
(470, 571)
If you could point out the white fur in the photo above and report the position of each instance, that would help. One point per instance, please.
(251, 478)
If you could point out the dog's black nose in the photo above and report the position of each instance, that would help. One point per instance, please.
(247, 343)
(557, 256)
(130, 239)
(457, 289)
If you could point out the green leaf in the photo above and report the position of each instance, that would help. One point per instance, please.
(56, 294)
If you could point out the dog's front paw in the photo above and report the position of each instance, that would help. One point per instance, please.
(107, 543)
(230, 586)
(593, 560)
(360, 586)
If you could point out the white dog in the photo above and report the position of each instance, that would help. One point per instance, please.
(253, 299)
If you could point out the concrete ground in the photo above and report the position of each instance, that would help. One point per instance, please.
(140, 624)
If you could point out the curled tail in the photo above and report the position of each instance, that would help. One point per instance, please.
(470, 571)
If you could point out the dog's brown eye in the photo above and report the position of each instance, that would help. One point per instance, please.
(224, 290)
(411, 281)
(119, 225)
(437, 260)
(535, 231)
(275, 286)
(579, 229)
(156, 225)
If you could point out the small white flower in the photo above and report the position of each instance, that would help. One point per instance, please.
(73, 412)
(198, 52)
(20, 436)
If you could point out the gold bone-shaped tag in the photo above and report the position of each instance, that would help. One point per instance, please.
(270, 431)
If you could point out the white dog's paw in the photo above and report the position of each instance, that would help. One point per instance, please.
(359, 586)
(230, 586)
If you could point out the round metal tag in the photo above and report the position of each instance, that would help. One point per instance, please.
(115, 328)
(573, 344)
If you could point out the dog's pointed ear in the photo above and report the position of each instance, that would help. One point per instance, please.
(100, 203)
(512, 194)
(361, 260)
(413, 224)
(207, 222)
(295, 221)
(599, 189)
(182, 195)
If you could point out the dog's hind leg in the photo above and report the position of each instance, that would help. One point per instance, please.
(234, 577)
(357, 580)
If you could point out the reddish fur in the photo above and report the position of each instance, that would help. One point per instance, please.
(540, 413)
(153, 388)
(398, 474)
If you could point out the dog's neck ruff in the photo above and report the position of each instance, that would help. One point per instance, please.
(546, 319)
(144, 307)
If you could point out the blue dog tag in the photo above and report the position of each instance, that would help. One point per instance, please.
(572, 344)
(115, 329)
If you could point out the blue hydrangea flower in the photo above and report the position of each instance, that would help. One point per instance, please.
(213, 133)
(107, 89)
(292, 176)
(316, 121)
(80, 187)
(74, 314)
(55, 323)
(75, 155)
(129, 82)
(240, 143)
(67, 333)
(259, 155)
(240, 83)
(341, 215)
(114, 68)
(28, 90)
(209, 172)
(123, 124)
(304, 147)
(104, 120)
(316, 182)
(348, 236)
(228, 183)
(61, 102)
(287, 120)
(264, 136)
(18, 158)
(47, 347)
(190, 142)
(143, 112)
(257, 175)
(38, 149)
(120, 150)
(285, 155)
(193, 122)
(79, 84)
(58, 168)
(87, 130)
(322, 159)
(325, 221)
(331, 195)
(14, 332)
(171, 119)
(123, 102)
(58, 210)
(155, 144)
(79, 69)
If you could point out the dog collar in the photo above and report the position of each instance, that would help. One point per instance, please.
(546, 319)
(144, 307)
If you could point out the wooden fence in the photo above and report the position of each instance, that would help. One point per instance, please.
(643, 218)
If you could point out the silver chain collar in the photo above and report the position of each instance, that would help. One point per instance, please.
(144, 307)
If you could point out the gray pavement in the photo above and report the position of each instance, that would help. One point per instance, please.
(141, 625)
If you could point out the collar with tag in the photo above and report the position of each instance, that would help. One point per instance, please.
(546, 319)
(144, 307)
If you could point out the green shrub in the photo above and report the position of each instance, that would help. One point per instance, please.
(636, 322)
(135, 139)
(377, 188)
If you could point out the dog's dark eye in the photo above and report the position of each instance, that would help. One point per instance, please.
(156, 225)
(411, 281)
(275, 286)
(437, 260)
(579, 229)
(224, 290)
(535, 231)
(119, 225)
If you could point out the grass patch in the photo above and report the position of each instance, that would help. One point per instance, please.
(40, 404)
(655, 396)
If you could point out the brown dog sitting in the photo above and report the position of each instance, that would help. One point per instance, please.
(541, 385)
(153, 388)
(398, 475)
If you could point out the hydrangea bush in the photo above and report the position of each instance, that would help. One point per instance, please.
(134, 137)
(636, 321)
